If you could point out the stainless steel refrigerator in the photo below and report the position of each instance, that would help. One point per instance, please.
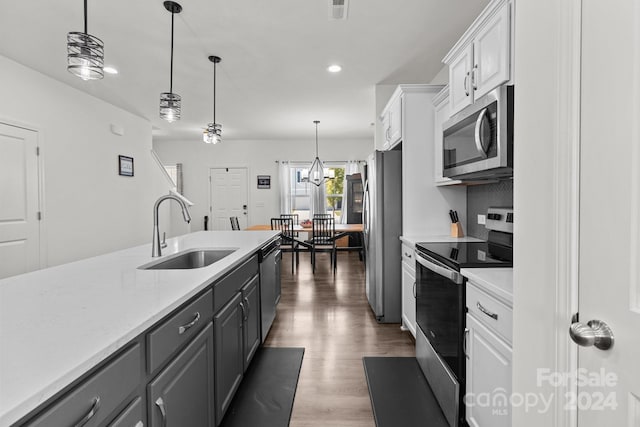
(382, 218)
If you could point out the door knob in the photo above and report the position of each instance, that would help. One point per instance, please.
(595, 333)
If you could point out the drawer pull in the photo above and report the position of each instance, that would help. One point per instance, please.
(183, 329)
(163, 411)
(487, 312)
(91, 413)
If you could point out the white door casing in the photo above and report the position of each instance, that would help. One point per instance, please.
(19, 201)
(228, 196)
(609, 283)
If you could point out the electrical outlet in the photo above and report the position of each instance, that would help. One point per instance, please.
(482, 219)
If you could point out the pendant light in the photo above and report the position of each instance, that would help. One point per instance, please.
(317, 173)
(213, 133)
(85, 53)
(170, 103)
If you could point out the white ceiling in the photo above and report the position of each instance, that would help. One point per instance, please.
(272, 81)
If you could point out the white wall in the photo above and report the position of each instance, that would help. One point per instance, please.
(88, 209)
(259, 157)
(442, 78)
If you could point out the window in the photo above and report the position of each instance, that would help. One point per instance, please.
(300, 191)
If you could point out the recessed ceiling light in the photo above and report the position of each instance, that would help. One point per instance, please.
(334, 68)
(110, 70)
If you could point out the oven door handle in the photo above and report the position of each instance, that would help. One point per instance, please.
(440, 269)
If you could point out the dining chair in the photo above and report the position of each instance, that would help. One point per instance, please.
(296, 221)
(288, 243)
(323, 215)
(235, 224)
(322, 239)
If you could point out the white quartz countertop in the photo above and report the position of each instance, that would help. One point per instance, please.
(58, 323)
(496, 281)
(412, 240)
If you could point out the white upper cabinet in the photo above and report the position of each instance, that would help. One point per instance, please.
(481, 60)
(459, 80)
(392, 121)
(491, 49)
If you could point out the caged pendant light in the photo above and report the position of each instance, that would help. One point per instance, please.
(170, 103)
(317, 173)
(213, 133)
(85, 53)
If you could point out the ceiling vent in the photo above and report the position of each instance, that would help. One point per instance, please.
(338, 9)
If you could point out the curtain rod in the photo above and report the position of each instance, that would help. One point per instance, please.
(324, 161)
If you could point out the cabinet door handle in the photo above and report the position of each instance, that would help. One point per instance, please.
(244, 311)
(94, 409)
(474, 83)
(408, 255)
(163, 411)
(466, 86)
(414, 290)
(464, 342)
(246, 300)
(487, 312)
(182, 329)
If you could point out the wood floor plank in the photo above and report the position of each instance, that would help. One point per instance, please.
(330, 316)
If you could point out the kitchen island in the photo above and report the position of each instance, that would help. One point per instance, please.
(59, 323)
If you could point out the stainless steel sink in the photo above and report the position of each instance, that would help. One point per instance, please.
(194, 258)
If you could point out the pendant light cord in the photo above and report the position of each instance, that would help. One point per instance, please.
(215, 65)
(317, 139)
(85, 17)
(171, 72)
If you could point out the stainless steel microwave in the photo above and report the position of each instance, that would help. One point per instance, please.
(478, 141)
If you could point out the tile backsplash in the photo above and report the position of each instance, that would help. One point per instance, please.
(481, 197)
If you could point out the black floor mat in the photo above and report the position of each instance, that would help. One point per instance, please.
(265, 397)
(400, 394)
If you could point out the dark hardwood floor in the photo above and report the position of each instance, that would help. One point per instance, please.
(330, 317)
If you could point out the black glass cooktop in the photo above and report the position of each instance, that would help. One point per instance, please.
(469, 254)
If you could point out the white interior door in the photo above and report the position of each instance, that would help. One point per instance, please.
(609, 277)
(229, 197)
(19, 228)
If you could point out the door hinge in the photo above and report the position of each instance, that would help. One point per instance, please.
(39, 216)
(37, 151)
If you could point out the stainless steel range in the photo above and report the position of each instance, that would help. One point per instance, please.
(440, 306)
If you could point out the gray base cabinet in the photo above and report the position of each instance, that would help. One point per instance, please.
(251, 324)
(132, 416)
(92, 403)
(183, 393)
(229, 365)
(183, 371)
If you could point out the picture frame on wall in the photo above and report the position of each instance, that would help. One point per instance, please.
(125, 166)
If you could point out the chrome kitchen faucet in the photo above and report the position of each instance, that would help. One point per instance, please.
(156, 251)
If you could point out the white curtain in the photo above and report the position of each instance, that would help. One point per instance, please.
(317, 200)
(351, 167)
(285, 187)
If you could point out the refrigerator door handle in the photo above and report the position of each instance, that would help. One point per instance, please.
(365, 210)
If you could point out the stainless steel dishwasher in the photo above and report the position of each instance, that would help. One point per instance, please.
(269, 257)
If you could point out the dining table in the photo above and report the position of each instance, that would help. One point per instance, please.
(342, 230)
